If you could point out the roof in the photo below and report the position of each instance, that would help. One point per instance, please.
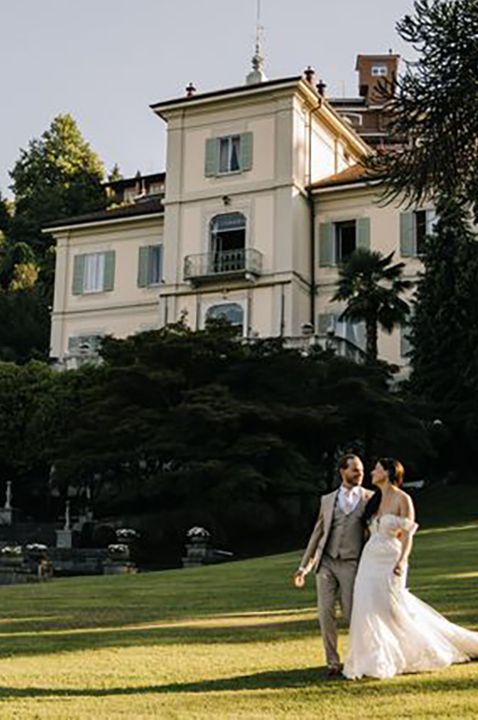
(349, 176)
(152, 177)
(226, 91)
(355, 101)
(372, 58)
(150, 206)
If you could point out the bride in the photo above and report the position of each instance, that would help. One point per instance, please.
(392, 631)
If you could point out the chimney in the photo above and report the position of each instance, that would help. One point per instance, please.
(375, 72)
(309, 75)
(321, 88)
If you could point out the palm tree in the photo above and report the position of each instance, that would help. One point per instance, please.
(372, 288)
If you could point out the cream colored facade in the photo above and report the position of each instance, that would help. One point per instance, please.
(338, 204)
(294, 139)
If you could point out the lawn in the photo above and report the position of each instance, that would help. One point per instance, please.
(230, 641)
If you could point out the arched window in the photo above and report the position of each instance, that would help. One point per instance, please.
(232, 312)
(228, 242)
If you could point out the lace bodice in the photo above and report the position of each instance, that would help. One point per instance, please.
(390, 525)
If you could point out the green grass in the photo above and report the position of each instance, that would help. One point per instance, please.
(231, 641)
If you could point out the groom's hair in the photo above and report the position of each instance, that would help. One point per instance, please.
(343, 462)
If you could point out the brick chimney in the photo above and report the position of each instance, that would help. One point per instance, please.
(373, 70)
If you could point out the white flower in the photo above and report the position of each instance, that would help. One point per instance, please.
(36, 546)
(198, 532)
(12, 550)
(118, 548)
(126, 533)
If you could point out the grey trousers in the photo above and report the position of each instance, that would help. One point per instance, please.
(335, 580)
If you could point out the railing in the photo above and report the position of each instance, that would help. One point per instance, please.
(223, 263)
(341, 346)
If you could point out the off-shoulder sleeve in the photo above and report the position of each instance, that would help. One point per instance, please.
(408, 525)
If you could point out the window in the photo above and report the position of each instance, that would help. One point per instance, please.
(345, 240)
(379, 70)
(150, 265)
(232, 312)
(84, 347)
(93, 272)
(415, 227)
(339, 239)
(228, 154)
(228, 242)
(424, 224)
(347, 336)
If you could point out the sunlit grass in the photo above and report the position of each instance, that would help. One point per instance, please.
(231, 641)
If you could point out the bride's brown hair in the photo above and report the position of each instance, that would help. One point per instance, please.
(395, 470)
(396, 473)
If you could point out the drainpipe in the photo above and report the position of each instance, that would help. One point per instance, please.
(310, 200)
(282, 310)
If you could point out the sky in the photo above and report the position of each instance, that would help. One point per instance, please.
(106, 61)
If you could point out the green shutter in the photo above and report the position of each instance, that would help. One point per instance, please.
(246, 151)
(405, 345)
(363, 233)
(326, 322)
(211, 165)
(361, 335)
(109, 276)
(407, 235)
(78, 274)
(161, 253)
(326, 244)
(143, 267)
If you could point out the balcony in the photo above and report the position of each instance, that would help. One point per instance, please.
(232, 264)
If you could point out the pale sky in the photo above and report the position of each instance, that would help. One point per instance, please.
(106, 61)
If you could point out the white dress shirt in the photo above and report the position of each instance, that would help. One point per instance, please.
(348, 498)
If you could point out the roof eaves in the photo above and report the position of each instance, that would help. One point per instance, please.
(213, 94)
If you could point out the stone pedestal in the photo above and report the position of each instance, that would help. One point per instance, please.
(64, 538)
(6, 516)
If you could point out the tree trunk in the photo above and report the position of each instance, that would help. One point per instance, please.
(372, 338)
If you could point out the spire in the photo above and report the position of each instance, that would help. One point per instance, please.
(257, 74)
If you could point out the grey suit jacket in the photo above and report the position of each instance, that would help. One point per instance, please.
(320, 534)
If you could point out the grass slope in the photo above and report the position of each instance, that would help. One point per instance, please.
(231, 641)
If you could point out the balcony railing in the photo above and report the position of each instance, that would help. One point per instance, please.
(226, 263)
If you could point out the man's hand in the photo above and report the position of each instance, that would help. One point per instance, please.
(299, 579)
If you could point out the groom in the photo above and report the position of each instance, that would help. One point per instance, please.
(333, 552)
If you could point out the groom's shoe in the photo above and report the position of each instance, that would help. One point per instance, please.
(335, 672)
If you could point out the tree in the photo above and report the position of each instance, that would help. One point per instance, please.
(372, 288)
(56, 177)
(5, 216)
(24, 326)
(435, 111)
(203, 423)
(435, 107)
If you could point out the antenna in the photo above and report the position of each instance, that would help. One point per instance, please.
(257, 73)
(259, 28)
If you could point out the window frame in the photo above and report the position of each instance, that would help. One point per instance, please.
(242, 302)
(98, 272)
(427, 219)
(338, 227)
(155, 249)
(229, 139)
(377, 71)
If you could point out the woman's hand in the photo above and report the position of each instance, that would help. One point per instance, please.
(398, 570)
(299, 579)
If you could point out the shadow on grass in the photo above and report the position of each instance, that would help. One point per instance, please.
(308, 679)
(45, 643)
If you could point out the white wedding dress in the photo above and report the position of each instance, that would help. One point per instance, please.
(391, 630)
